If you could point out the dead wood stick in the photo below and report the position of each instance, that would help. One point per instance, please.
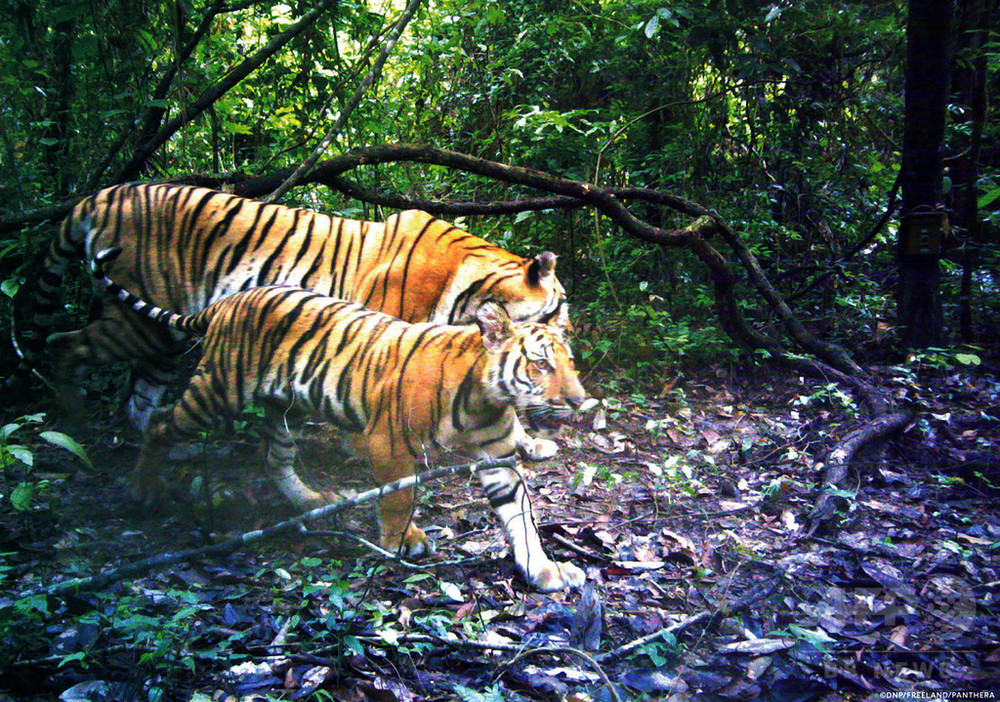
(95, 582)
(707, 616)
(839, 461)
(638, 643)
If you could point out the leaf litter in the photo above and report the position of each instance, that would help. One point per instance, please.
(686, 511)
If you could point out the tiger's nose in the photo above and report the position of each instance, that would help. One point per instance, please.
(580, 402)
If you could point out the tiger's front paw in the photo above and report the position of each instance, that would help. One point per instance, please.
(415, 544)
(538, 449)
(556, 575)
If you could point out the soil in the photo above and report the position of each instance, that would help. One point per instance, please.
(688, 507)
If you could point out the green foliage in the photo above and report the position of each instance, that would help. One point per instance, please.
(491, 694)
(830, 395)
(18, 447)
(661, 651)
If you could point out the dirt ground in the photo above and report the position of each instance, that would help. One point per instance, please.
(688, 511)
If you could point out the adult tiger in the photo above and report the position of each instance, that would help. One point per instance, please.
(187, 247)
(402, 390)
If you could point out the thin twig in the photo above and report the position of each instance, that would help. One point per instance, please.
(725, 610)
(163, 560)
(345, 114)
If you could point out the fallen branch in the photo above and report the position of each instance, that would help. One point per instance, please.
(634, 645)
(839, 461)
(96, 582)
(708, 616)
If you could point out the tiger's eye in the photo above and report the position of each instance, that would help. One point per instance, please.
(542, 365)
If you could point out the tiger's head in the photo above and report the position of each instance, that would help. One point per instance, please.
(527, 288)
(530, 367)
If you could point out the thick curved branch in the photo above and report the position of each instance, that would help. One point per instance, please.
(736, 327)
(831, 353)
(829, 362)
(839, 461)
(327, 171)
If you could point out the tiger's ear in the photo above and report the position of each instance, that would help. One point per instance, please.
(542, 266)
(494, 324)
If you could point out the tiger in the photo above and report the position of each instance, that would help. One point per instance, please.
(186, 247)
(404, 391)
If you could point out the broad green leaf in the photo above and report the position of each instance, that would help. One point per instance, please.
(652, 26)
(968, 359)
(352, 644)
(20, 496)
(390, 636)
(988, 198)
(10, 287)
(22, 454)
(72, 658)
(57, 438)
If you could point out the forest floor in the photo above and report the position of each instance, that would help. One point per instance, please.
(688, 512)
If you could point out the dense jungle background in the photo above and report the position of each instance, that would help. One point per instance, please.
(788, 488)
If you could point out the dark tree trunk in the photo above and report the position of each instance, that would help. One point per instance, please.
(972, 26)
(928, 33)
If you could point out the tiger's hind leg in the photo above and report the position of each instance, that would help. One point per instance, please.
(509, 498)
(167, 426)
(397, 531)
(149, 386)
(281, 427)
(117, 335)
(197, 409)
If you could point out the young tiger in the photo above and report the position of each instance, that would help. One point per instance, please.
(187, 247)
(402, 390)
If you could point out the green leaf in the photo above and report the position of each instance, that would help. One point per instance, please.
(72, 658)
(968, 359)
(48, 141)
(22, 454)
(10, 287)
(988, 198)
(652, 26)
(20, 496)
(389, 635)
(469, 695)
(57, 438)
(352, 644)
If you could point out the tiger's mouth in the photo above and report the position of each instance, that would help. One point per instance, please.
(547, 417)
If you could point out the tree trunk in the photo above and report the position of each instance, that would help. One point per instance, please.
(969, 69)
(928, 33)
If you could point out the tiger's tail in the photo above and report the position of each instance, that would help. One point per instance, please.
(68, 246)
(189, 324)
